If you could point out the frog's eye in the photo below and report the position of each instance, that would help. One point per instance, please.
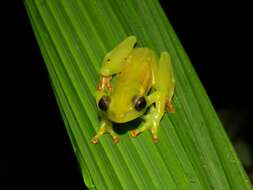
(103, 103)
(140, 103)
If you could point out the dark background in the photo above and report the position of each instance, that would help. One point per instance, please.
(36, 150)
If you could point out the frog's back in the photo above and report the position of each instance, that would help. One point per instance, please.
(137, 72)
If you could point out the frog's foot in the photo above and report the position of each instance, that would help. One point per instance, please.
(151, 125)
(105, 129)
(135, 133)
(96, 138)
(170, 107)
(153, 131)
(105, 83)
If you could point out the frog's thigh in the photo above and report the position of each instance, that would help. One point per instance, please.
(154, 66)
(164, 78)
(113, 61)
(165, 81)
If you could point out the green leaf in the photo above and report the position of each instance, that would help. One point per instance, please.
(194, 151)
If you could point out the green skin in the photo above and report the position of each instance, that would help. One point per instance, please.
(137, 72)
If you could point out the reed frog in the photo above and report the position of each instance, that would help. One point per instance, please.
(134, 83)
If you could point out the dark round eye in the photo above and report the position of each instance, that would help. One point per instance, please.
(103, 103)
(140, 103)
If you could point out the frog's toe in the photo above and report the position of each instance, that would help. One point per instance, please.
(134, 133)
(170, 108)
(116, 139)
(155, 138)
(153, 130)
(94, 140)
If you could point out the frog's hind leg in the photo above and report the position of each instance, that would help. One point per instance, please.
(165, 80)
(114, 61)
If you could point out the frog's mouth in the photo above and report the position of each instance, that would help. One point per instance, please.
(123, 117)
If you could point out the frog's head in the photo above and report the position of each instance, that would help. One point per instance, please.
(123, 106)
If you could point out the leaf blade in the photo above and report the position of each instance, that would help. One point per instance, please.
(195, 158)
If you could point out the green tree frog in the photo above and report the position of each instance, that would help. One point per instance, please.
(134, 83)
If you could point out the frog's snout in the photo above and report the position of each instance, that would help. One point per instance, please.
(118, 117)
(121, 117)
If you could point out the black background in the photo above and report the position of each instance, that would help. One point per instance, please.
(36, 151)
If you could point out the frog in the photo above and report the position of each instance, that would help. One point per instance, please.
(134, 83)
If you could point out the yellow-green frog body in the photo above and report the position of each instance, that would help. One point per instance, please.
(139, 82)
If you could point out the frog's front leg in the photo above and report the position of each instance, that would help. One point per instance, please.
(105, 127)
(105, 83)
(161, 98)
(154, 116)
